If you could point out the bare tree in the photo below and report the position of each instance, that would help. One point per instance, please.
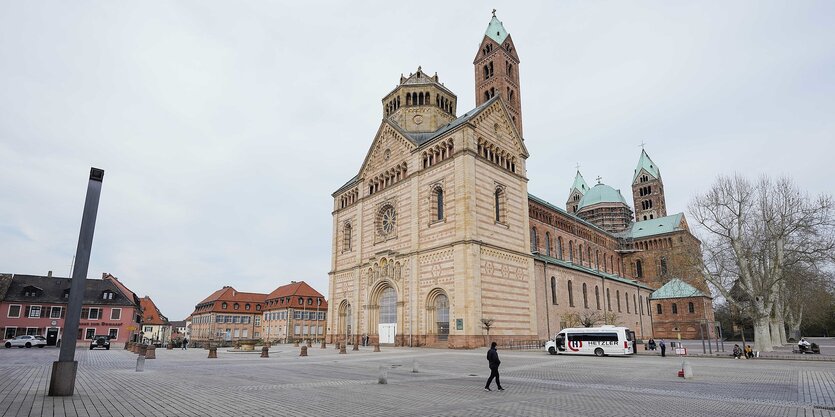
(754, 232)
(589, 318)
(486, 324)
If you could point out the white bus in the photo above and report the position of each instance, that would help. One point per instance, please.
(598, 341)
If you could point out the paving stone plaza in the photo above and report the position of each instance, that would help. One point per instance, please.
(448, 383)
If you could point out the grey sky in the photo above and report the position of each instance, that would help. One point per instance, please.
(223, 127)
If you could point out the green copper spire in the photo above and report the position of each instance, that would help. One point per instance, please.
(495, 30)
(579, 184)
(647, 165)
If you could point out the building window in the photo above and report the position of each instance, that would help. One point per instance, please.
(437, 203)
(14, 311)
(92, 332)
(675, 308)
(642, 304)
(690, 308)
(581, 255)
(534, 246)
(115, 314)
(388, 306)
(107, 295)
(34, 312)
(658, 308)
(113, 333)
(236, 306)
(499, 201)
(247, 307)
(553, 291)
(639, 270)
(617, 295)
(571, 251)
(570, 295)
(547, 243)
(663, 265)
(585, 296)
(55, 312)
(597, 296)
(346, 237)
(94, 313)
(597, 260)
(626, 299)
(559, 247)
(223, 306)
(608, 299)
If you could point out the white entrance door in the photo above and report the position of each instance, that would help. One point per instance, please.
(387, 332)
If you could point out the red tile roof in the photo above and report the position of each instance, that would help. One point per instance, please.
(230, 297)
(150, 312)
(293, 291)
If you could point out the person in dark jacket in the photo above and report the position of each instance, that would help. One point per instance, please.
(663, 347)
(493, 359)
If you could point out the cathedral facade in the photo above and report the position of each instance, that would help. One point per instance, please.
(436, 240)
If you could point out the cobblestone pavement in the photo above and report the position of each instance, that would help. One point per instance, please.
(449, 383)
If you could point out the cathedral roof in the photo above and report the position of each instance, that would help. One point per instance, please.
(676, 288)
(421, 138)
(601, 193)
(496, 30)
(659, 226)
(579, 184)
(646, 164)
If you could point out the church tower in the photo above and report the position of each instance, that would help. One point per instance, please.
(497, 70)
(648, 190)
(420, 104)
(578, 190)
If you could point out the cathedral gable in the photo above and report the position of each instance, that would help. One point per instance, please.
(495, 125)
(389, 149)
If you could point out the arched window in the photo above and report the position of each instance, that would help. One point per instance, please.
(247, 306)
(559, 247)
(597, 260)
(626, 299)
(585, 296)
(571, 251)
(608, 299)
(388, 306)
(442, 316)
(658, 308)
(617, 295)
(690, 308)
(675, 308)
(547, 243)
(642, 304)
(553, 291)
(534, 246)
(581, 254)
(499, 202)
(437, 203)
(639, 270)
(597, 296)
(570, 295)
(663, 265)
(346, 237)
(224, 305)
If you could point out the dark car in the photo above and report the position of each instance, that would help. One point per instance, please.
(100, 341)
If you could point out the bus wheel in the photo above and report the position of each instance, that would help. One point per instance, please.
(598, 352)
(552, 351)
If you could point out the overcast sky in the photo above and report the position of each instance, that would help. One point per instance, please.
(224, 127)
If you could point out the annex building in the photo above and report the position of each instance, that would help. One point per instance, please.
(436, 240)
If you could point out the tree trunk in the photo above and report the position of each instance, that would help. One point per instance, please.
(774, 330)
(762, 335)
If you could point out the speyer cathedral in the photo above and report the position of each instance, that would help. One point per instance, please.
(437, 234)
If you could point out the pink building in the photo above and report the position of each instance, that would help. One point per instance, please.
(37, 305)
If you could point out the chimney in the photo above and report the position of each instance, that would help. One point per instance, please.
(49, 274)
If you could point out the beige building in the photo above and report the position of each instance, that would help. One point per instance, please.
(436, 240)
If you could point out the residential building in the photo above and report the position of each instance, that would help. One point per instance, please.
(226, 316)
(37, 305)
(294, 312)
(155, 327)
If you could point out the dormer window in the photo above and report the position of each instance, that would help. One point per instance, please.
(224, 305)
(108, 295)
(236, 306)
(309, 301)
(31, 291)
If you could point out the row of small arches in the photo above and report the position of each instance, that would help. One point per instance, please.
(437, 153)
(570, 289)
(496, 155)
(609, 264)
(387, 178)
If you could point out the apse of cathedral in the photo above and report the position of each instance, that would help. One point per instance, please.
(436, 240)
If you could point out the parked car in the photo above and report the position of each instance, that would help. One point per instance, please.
(100, 341)
(26, 341)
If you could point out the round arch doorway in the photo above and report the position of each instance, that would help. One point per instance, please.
(387, 324)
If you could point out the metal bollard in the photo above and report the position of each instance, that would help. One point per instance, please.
(382, 376)
(304, 351)
(265, 352)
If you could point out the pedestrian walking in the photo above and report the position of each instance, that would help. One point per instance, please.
(663, 347)
(185, 344)
(493, 359)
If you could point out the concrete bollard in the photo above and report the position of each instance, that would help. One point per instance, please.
(382, 375)
(376, 347)
(415, 366)
(304, 351)
(342, 350)
(688, 369)
(265, 352)
(356, 346)
(140, 363)
(324, 346)
(296, 343)
(212, 353)
(151, 352)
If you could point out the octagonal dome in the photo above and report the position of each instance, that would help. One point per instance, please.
(601, 193)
